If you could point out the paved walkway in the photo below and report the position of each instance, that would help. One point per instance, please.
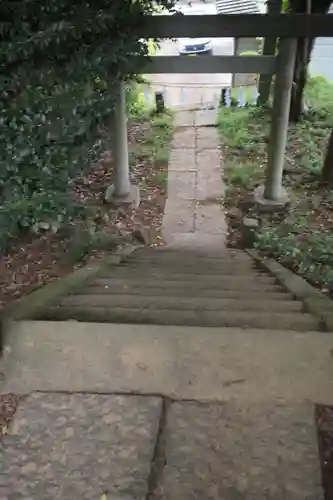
(129, 412)
(193, 213)
(144, 412)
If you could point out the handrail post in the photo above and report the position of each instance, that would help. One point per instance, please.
(273, 193)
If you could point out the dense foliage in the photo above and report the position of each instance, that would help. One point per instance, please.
(301, 237)
(59, 60)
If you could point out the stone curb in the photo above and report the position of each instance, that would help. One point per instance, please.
(31, 305)
(314, 301)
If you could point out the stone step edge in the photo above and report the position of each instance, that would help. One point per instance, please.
(31, 305)
(240, 319)
(314, 301)
(134, 274)
(190, 263)
(218, 293)
(129, 283)
(171, 257)
(180, 303)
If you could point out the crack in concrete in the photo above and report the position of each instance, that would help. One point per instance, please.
(169, 399)
(159, 457)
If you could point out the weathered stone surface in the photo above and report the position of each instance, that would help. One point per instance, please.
(212, 364)
(209, 178)
(229, 451)
(195, 175)
(178, 218)
(181, 185)
(182, 159)
(209, 160)
(79, 446)
(206, 140)
(183, 138)
(204, 244)
(249, 228)
(205, 117)
(265, 205)
(133, 197)
(184, 119)
(210, 219)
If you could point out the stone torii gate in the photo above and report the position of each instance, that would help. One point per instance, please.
(287, 27)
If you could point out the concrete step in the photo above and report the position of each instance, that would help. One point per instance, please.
(181, 303)
(181, 362)
(170, 256)
(228, 253)
(191, 291)
(185, 283)
(141, 273)
(239, 423)
(237, 319)
(192, 267)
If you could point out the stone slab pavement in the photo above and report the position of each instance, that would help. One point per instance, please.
(80, 446)
(194, 216)
(136, 412)
(228, 452)
(205, 364)
(111, 447)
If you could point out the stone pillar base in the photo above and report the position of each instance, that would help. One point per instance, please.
(133, 197)
(266, 205)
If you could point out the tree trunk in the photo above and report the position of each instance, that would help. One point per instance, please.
(304, 48)
(273, 7)
(303, 57)
(327, 172)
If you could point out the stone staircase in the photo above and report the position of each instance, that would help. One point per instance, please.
(166, 287)
(168, 409)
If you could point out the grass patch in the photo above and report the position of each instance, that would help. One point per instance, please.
(303, 238)
(243, 175)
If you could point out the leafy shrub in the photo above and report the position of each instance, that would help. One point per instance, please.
(59, 63)
(45, 211)
(310, 254)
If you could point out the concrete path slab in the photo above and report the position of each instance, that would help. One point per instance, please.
(184, 118)
(205, 117)
(183, 159)
(207, 244)
(181, 186)
(235, 452)
(206, 364)
(180, 217)
(194, 174)
(208, 219)
(80, 446)
(184, 136)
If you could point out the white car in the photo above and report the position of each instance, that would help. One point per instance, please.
(188, 46)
